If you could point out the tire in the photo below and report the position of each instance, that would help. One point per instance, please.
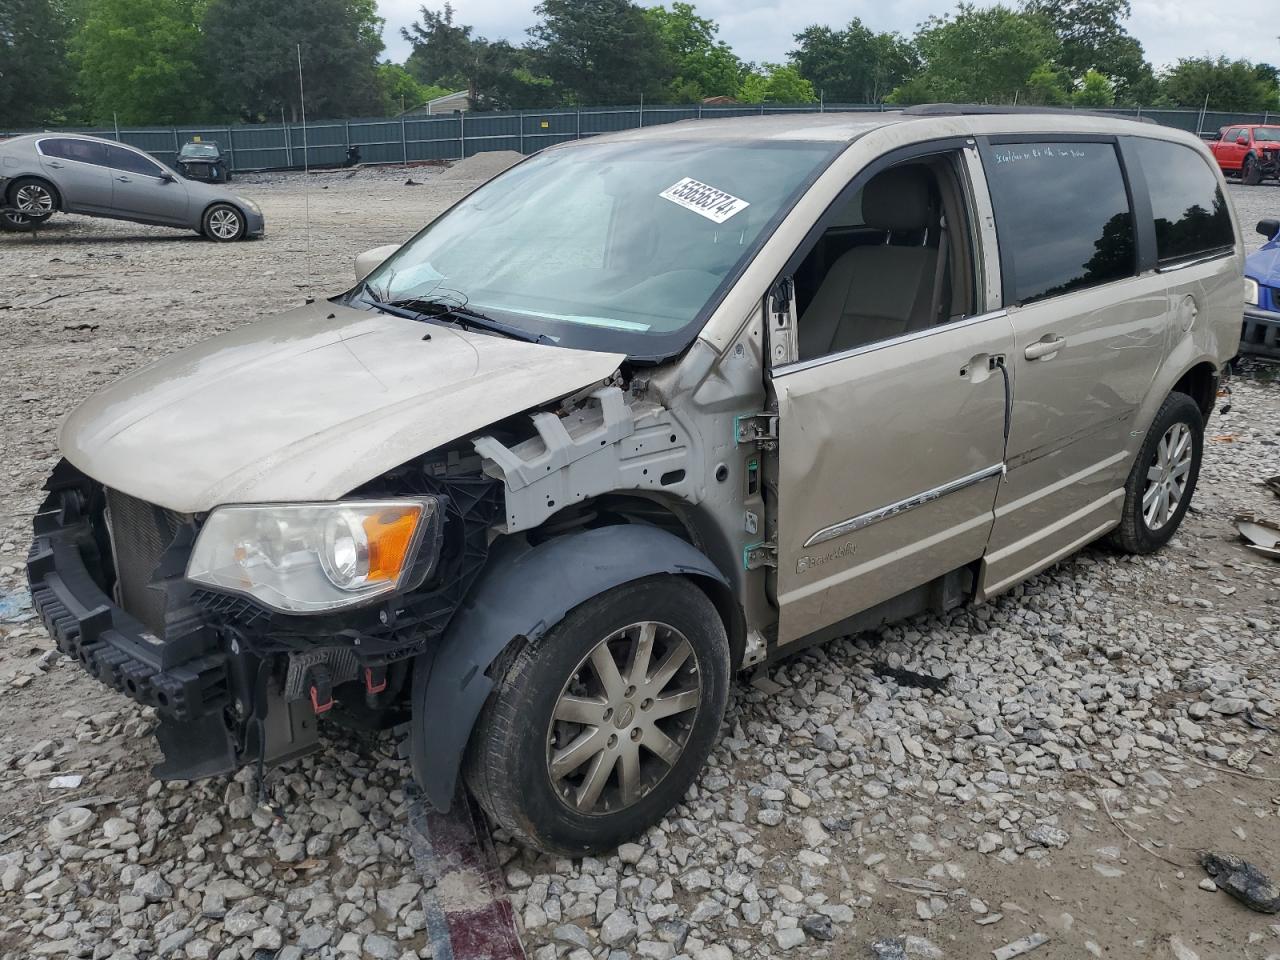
(36, 198)
(12, 222)
(1146, 525)
(1250, 172)
(223, 223)
(509, 763)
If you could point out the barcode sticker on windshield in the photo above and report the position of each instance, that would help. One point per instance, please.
(704, 200)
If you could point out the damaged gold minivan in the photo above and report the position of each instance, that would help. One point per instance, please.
(641, 412)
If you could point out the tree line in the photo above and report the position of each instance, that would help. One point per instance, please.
(191, 61)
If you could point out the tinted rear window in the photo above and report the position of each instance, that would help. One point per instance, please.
(122, 159)
(84, 151)
(1190, 210)
(1063, 217)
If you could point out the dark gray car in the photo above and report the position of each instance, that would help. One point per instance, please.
(44, 173)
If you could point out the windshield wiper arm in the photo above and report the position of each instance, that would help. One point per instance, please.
(460, 313)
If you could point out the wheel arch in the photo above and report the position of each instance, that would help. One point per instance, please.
(1200, 383)
(204, 212)
(524, 591)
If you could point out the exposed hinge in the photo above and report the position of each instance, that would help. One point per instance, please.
(757, 555)
(761, 428)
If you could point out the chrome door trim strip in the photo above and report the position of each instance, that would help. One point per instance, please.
(902, 506)
(1196, 261)
(858, 351)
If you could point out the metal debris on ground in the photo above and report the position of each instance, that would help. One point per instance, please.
(1242, 880)
(1020, 947)
(909, 678)
(1263, 535)
(1274, 484)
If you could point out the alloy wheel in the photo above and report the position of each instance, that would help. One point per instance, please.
(224, 224)
(33, 199)
(1167, 476)
(623, 718)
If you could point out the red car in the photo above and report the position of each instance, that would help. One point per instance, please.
(1250, 150)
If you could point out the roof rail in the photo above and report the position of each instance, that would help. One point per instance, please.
(978, 109)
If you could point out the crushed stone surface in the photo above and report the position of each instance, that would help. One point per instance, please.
(1091, 732)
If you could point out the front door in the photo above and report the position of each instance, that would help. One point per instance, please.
(141, 191)
(891, 418)
(1089, 328)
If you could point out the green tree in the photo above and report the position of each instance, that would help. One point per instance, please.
(979, 55)
(1046, 87)
(853, 65)
(506, 77)
(140, 61)
(600, 51)
(444, 54)
(1095, 90)
(400, 91)
(1093, 37)
(704, 66)
(776, 83)
(35, 77)
(251, 50)
(1228, 84)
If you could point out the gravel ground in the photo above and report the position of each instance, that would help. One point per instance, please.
(1093, 730)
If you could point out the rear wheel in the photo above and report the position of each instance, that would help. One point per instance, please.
(223, 223)
(1163, 479)
(1251, 172)
(33, 197)
(596, 730)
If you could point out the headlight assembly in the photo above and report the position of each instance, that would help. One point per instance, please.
(317, 557)
(1251, 291)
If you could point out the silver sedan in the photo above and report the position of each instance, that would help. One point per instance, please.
(47, 172)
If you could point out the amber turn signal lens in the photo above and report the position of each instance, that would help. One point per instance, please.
(390, 535)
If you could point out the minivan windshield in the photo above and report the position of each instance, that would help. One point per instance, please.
(622, 246)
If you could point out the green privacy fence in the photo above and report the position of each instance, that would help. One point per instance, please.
(452, 136)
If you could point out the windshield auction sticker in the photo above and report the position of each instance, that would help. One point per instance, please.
(704, 200)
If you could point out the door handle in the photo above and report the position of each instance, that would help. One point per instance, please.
(124, 179)
(1045, 348)
(55, 165)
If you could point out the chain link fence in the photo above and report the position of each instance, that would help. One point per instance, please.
(453, 136)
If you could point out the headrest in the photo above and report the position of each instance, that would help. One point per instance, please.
(898, 199)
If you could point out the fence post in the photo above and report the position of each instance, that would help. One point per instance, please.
(642, 110)
(699, 109)
(577, 130)
(177, 147)
(231, 149)
(520, 120)
(288, 145)
(462, 132)
(404, 144)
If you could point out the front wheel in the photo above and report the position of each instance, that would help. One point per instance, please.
(596, 730)
(1163, 479)
(223, 223)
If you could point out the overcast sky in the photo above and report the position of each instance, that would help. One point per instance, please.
(761, 30)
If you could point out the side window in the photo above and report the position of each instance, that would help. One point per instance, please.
(83, 151)
(1190, 211)
(1062, 215)
(130, 162)
(894, 258)
(1231, 135)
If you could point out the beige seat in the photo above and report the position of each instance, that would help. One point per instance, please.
(873, 293)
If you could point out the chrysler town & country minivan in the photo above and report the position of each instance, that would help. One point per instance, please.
(639, 413)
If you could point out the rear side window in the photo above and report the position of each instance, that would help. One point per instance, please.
(83, 151)
(122, 159)
(1190, 211)
(1063, 217)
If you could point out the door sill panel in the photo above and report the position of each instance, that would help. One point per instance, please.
(1046, 546)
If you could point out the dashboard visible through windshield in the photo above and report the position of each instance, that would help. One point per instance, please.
(621, 246)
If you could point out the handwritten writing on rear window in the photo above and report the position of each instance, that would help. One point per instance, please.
(1022, 153)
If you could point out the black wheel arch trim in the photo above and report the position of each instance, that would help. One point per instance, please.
(523, 593)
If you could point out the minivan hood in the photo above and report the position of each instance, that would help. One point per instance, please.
(308, 405)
